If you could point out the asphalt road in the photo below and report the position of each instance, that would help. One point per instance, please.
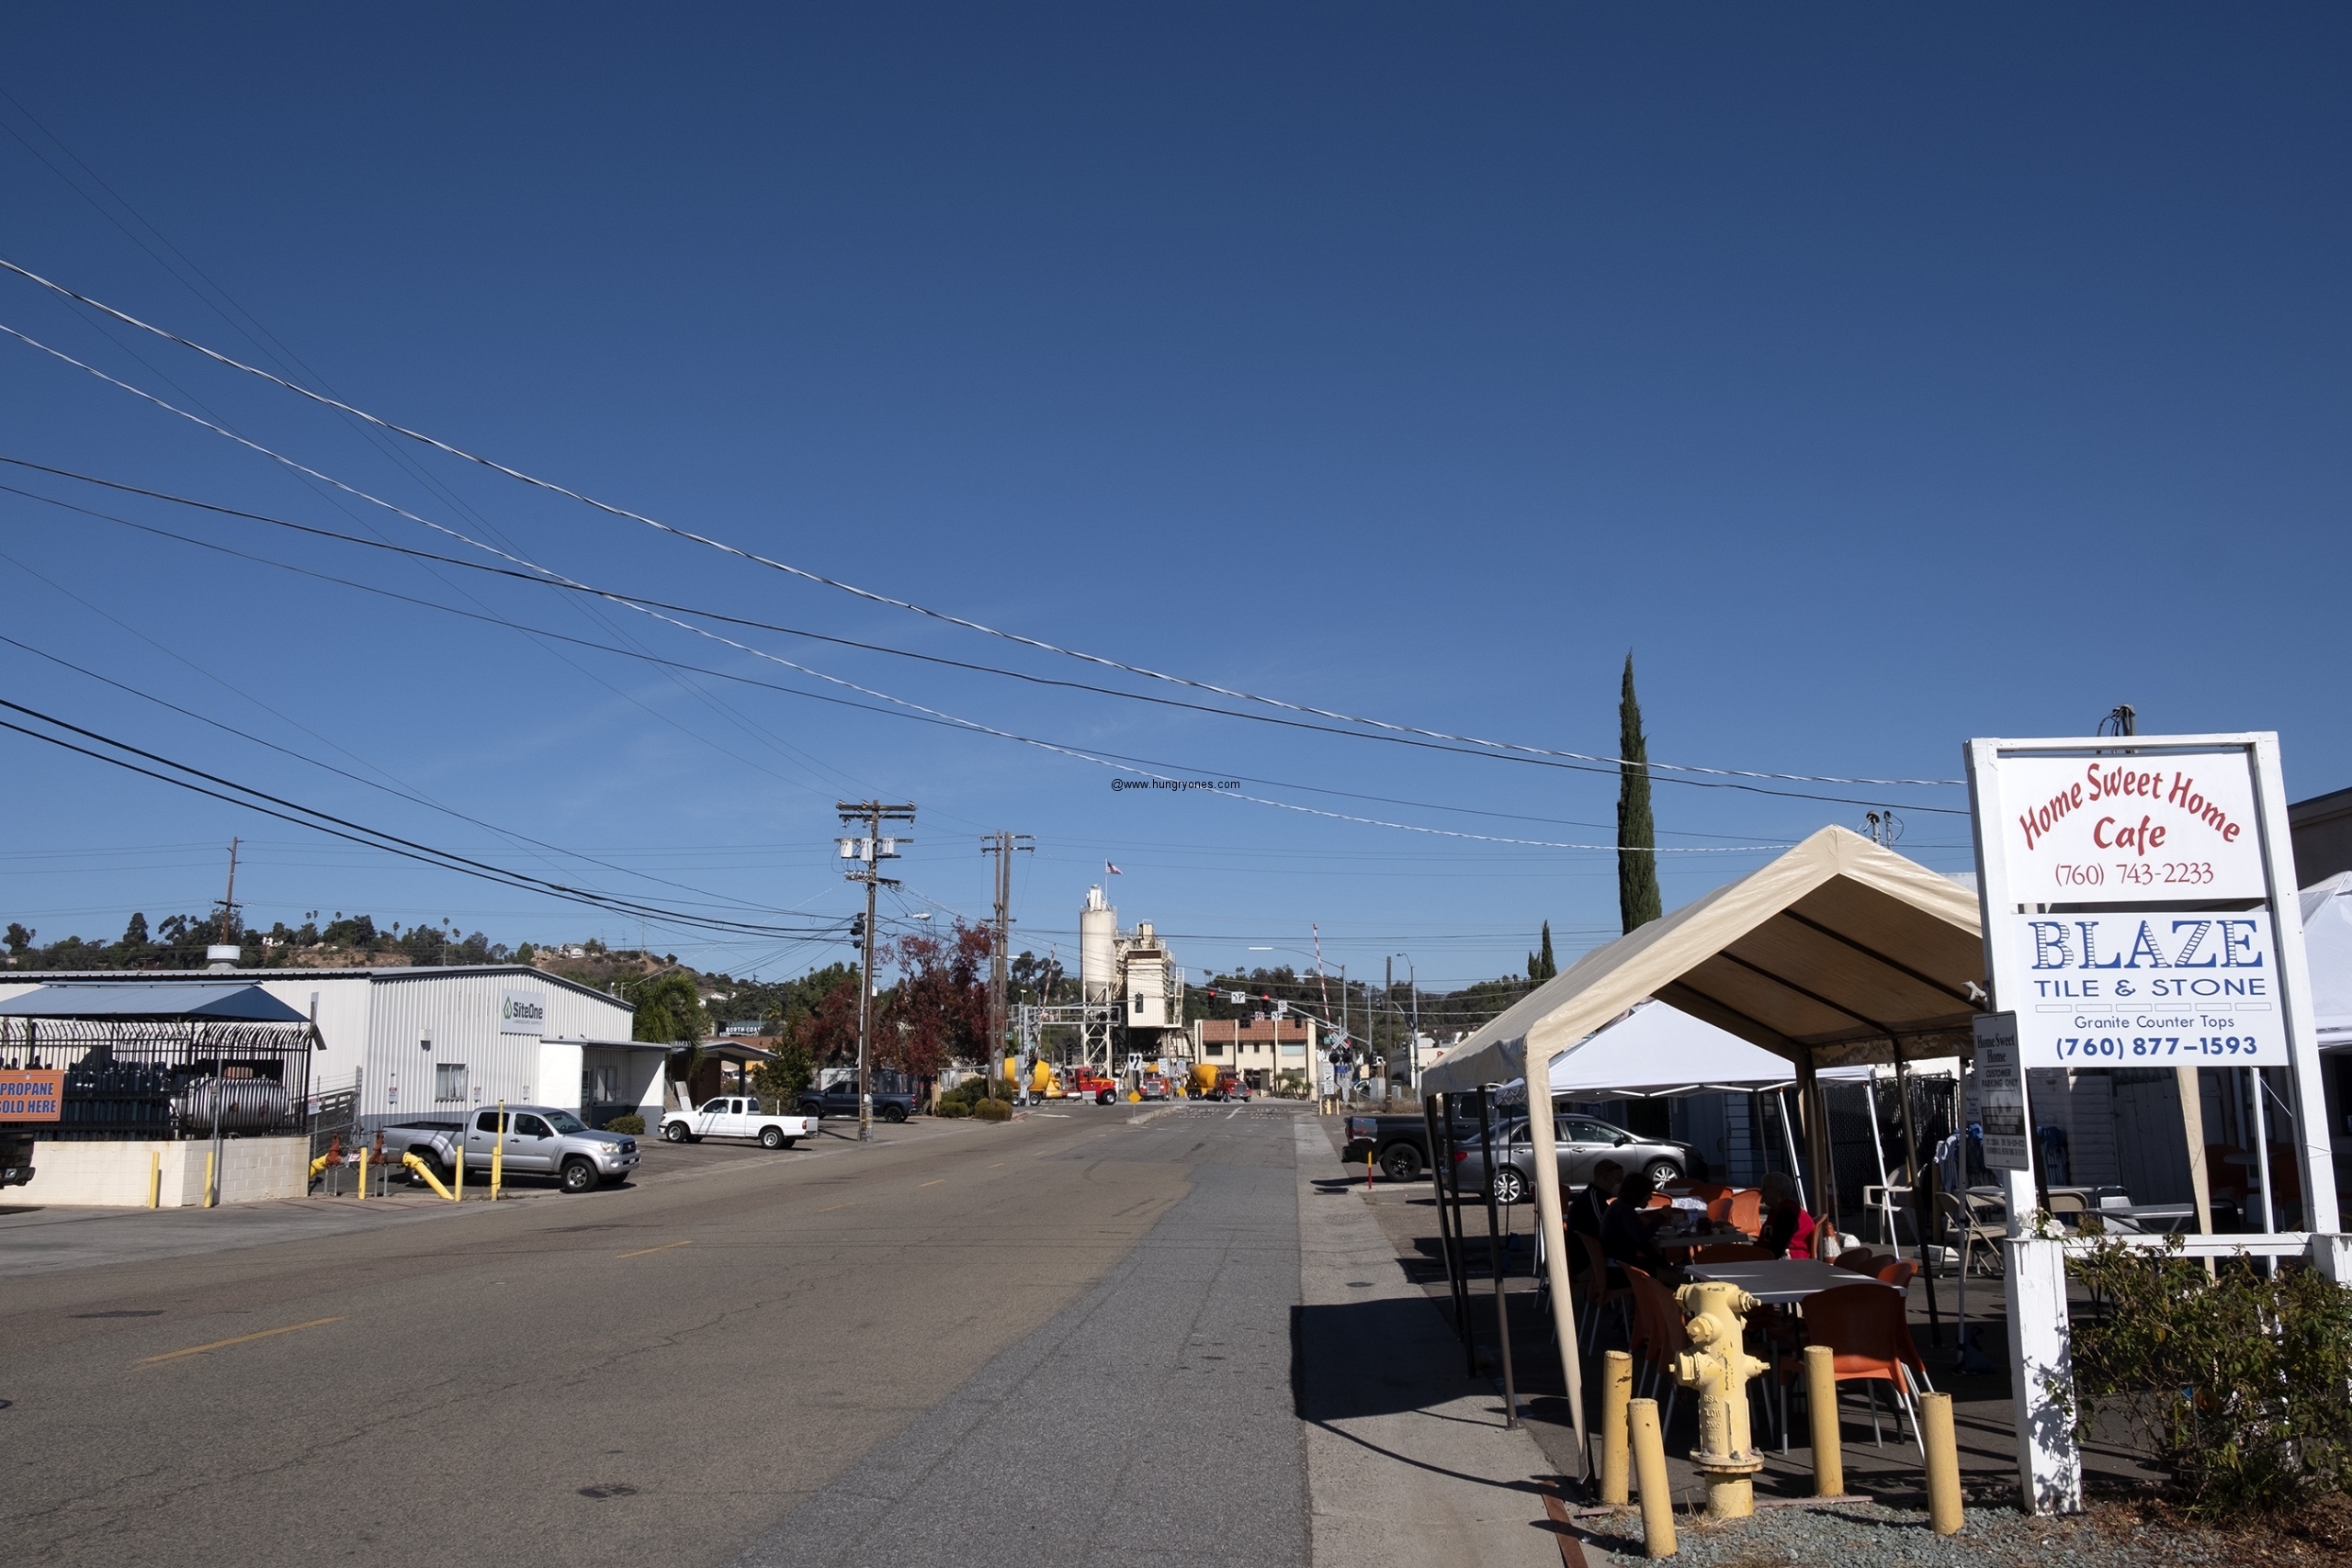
(1060, 1340)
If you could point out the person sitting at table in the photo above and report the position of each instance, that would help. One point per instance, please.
(1589, 1208)
(1627, 1230)
(1788, 1229)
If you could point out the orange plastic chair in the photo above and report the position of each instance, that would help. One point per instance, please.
(1747, 1214)
(1658, 1335)
(1659, 1201)
(1860, 1259)
(1865, 1325)
(1600, 1294)
(1705, 1191)
(1730, 1252)
(1898, 1273)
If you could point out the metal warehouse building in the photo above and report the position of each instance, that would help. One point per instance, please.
(409, 1043)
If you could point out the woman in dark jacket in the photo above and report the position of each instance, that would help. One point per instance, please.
(1625, 1231)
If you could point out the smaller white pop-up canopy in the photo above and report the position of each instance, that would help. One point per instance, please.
(2327, 952)
(1658, 1051)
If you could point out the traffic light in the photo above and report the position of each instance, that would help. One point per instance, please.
(858, 928)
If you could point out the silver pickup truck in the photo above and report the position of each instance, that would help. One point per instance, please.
(538, 1140)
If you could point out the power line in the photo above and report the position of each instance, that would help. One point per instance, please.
(918, 711)
(545, 578)
(374, 838)
(868, 594)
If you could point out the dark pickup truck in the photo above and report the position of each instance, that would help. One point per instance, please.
(840, 1100)
(1398, 1144)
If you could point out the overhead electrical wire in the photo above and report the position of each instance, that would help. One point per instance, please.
(360, 779)
(741, 553)
(916, 710)
(544, 577)
(320, 821)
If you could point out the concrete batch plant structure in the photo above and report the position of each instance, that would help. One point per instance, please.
(430, 1042)
(1131, 995)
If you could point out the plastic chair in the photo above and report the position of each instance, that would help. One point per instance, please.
(1866, 1329)
(1730, 1252)
(1897, 1273)
(1705, 1191)
(1859, 1259)
(1746, 1211)
(1601, 1294)
(1658, 1337)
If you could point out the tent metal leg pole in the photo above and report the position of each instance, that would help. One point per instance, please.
(1885, 1177)
(1789, 1137)
(1549, 1216)
(1922, 1187)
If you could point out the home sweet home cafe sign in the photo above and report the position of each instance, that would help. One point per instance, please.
(2133, 892)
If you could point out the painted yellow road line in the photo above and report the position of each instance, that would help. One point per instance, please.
(224, 1344)
(932, 1183)
(663, 1248)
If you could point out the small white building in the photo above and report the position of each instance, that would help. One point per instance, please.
(418, 1041)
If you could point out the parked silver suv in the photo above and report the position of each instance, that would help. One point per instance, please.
(536, 1140)
(1583, 1143)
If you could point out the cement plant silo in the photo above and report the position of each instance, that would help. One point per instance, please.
(1098, 951)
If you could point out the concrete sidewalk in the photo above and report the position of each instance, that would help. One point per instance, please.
(1408, 1459)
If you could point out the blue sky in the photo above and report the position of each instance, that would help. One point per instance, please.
(1878, 378)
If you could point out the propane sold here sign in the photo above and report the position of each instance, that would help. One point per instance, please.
(2131, 888)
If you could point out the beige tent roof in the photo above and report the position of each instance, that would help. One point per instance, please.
(1839, 949)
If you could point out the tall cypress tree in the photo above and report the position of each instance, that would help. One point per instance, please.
(1546, 967)
(1638, 899)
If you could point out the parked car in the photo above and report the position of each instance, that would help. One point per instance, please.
(736, 1117)
(840, 1100)
(1582, 1142)
(538, 1140)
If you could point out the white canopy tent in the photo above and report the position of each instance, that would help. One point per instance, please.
(1839, 952)
(1657, 1051)
(2328, 951)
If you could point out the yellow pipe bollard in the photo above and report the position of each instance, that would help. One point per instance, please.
(363, 1173)
(1944, 1509)
(425, 1173)
(1616, 1390)
(211, 1194)
(1649, 1467)
(457, 1188)
(1821, 1404)
(1717, 1367)
(497, 1153)
(154, 1178)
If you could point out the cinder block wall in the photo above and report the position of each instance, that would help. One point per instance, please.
(116, 1175)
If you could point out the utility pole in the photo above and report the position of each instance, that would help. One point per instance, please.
(1001, 845)
(870, 851)
(229, 900)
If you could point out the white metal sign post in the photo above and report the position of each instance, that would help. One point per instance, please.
(2132, 890)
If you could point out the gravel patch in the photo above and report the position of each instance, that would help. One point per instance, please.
(1875, 1535)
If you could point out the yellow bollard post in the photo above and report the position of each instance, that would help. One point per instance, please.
(1821, 1404)
(1944, 1509)
(457, 1153)
(497, 1154)
(1649, 1469)
(154, 1178)
(1616, 1390)
(363, 1172)
(212, 1193)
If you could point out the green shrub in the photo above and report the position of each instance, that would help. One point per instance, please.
(629, 1123)
(992, 1109)
(2235, 1382)
(952, 1108)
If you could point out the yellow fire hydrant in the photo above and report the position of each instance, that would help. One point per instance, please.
(1718, 1366)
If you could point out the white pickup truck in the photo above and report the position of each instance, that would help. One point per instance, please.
(736, 1118)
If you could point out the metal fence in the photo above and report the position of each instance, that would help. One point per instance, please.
(167, 1079)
